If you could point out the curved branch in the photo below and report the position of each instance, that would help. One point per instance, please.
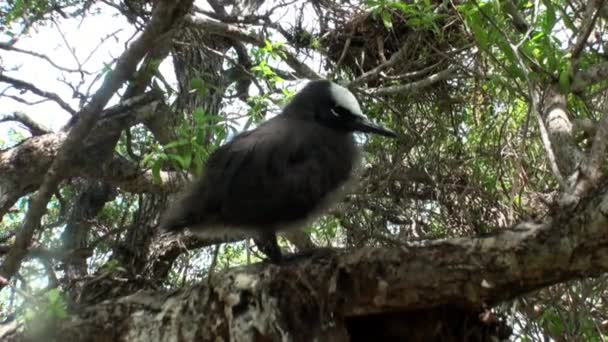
(428, 81)
(22, 85)
(34, 127)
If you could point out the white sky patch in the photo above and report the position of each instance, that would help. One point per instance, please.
(84, 37)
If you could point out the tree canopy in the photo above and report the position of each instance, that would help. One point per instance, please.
(486, 217)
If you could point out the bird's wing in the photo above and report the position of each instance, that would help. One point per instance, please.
(273, 174)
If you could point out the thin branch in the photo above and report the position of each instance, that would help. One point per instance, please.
(22, 100)
(342, 56)
(515, 48)
(598, 149)
(19, 84)
(235, 32)
(516, 16)
(376, 71)
(67, 44)
(432, 79)
(8, 47)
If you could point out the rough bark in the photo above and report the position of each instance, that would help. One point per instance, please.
(555, 112)
(319, 297)
(24, 166)
(91, 198)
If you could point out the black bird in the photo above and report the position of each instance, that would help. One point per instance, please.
(279, 175)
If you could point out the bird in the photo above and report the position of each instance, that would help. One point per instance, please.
(280, 175)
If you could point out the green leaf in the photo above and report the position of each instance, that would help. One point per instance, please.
(177, 143)
(183, 160)
(549, 19)
(57, 306)
(156, 173)
(196, 83)
(565, 77)
(387, 19)
(199, 115)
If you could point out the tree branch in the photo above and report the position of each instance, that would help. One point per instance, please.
(314, 298)
(234, 32)
(164, 16)
(591, 13)
(34, 127)
(23, 166)
(22, 85)
(9, 47)
(591, 168)
(432, 79)
(594, 74)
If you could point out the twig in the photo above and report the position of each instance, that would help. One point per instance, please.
(342, 56)
(216, 252)
(234, 32)
(432, 79)
(19, 84)
(375, 71)
(8, 47)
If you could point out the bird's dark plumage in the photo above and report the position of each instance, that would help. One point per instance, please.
(279, 174)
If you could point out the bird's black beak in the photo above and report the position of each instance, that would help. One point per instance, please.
(362, 124)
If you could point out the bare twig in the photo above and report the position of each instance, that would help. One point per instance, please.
(432, 79)
(8, 47)
(235, 32)
(19, 84)
(342, 56)
(376, 71)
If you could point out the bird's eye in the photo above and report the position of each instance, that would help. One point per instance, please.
(340, 111)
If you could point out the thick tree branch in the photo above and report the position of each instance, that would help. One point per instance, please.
(164, 17)
(310, 298)
(23, 166)
(34, 127)
(594, 74)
